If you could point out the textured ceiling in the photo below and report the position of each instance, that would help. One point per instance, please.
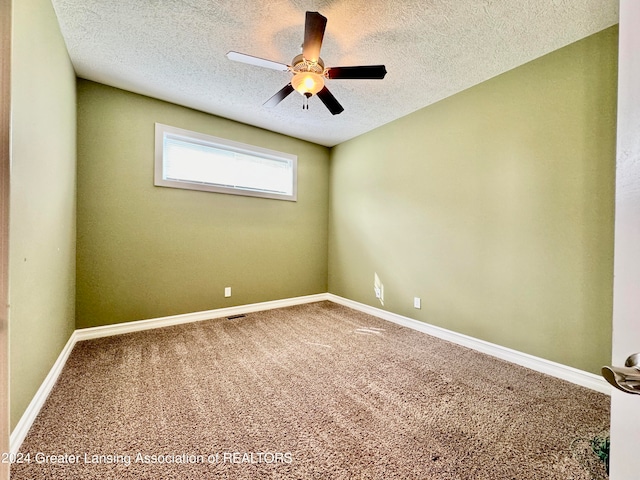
(175, 50)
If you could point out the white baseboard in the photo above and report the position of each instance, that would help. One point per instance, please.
(139, 325)
(22, 428)
(564, 372)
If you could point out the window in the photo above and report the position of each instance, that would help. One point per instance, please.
(196, 161)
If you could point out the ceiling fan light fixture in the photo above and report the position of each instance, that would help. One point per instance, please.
(309, 72)
(307, 83)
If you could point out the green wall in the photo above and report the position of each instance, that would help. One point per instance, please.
(495, 206)
(42, 213)
(147, 252)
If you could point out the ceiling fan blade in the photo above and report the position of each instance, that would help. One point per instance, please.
(373, 72)
(313, 33)
(278, 97)
(258, 62)
(330, 101)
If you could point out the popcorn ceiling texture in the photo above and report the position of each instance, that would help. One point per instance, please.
(175, 50)
(346, 395)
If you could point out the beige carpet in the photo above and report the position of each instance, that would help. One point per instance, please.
(317, 391)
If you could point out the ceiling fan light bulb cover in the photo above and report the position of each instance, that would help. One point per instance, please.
(307, 82)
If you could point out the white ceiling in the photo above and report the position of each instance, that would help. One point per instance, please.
(175, 50)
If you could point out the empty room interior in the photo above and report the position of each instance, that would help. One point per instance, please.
(433, 299)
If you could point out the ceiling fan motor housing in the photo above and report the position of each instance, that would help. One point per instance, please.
(301, 64)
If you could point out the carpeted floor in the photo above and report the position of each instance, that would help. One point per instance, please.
(316, 391)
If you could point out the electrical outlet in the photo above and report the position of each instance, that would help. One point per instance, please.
(227, 292)
(416, 302)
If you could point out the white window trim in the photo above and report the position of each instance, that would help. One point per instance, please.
(209, 140)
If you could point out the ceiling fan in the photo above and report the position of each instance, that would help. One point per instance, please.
(309, 72)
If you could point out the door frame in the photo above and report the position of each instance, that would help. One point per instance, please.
(5, 163)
